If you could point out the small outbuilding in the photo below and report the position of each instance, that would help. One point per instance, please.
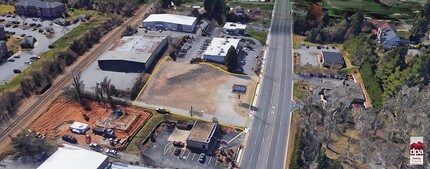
(332, 60)
(79, 128)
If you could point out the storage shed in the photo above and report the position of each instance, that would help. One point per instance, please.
(79, 128)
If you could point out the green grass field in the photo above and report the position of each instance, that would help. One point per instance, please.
(13, 44)
(6, 8)
(299, 94)
(381, 9)
(261, 36)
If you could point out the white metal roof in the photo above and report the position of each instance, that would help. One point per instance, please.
(220, 46)
(171, 18)
(133, 48)
(79, 125)
(71, 157)
(233, 26)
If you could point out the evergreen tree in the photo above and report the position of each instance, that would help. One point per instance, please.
(230, 59)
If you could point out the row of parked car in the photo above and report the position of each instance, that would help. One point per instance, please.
(93, 146)
(332, 76)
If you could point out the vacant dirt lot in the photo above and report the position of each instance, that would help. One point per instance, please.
(55, 122)
(208, 90)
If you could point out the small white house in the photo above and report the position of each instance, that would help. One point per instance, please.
(79, 128)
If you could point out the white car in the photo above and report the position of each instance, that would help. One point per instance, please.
(112, 153)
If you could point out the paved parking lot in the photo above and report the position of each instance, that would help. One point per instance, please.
(161, 152)
(40, 46)
(309, 54)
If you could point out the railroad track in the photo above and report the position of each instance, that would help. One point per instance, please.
(44, 98)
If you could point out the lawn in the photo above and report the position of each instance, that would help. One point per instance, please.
(300, 94)
(375, 8)
(6, 9)
(60, 45)
(13, 44)
(261, 36)
(147, 128)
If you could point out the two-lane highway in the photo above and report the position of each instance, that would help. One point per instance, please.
(267, 141)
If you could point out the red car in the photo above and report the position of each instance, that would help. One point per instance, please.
(177, 151)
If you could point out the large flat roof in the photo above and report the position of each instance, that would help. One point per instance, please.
(171, 18)
(231, 25)
(133, 48)
(71, 157)
(202, 131)
(39, 4)
(220, 46)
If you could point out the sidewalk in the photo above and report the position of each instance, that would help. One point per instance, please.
(232, 120)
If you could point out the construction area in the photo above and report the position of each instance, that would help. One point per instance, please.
(208, 90)
(63, 117)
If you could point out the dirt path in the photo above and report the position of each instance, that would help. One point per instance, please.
(36, 105)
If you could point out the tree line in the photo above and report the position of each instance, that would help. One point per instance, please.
(421, 24)
(327, 30)
(39, 81)
(123, 8)
(382, 135)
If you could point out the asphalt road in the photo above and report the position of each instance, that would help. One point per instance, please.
(266, 144)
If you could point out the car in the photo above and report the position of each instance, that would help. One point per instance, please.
(162, 110)
(332, 76)
(307, 47)
(39, 25)
(333, 47)
(13, 33)
(324, 76)
(112, 153)
(96, 147)
(28, 62)
(7, 25)
(11, 60)
(311, 75)
(2, 20)
(33, 24)
(23, 35)
(16, 71)
(33, 29)
(178, 144)
(202, 157)
(320, 75)
(318, 47)
(70, 139)
(177, 151)
(16, 56)
(40, 31)
(14, 26)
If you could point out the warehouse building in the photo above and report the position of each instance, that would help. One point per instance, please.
(170, 22)
(37, 8)
(132, 54)
(217, 50)
(234, 28)
(201, 136)
(71, 157)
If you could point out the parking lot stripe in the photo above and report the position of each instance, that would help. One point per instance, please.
(193, 157)
(172, 152)
(210, 160)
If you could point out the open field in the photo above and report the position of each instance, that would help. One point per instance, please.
(54, 122)
(6, 8)
(381, 9)
(13, 44)
(301, 90)
(208, 90)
